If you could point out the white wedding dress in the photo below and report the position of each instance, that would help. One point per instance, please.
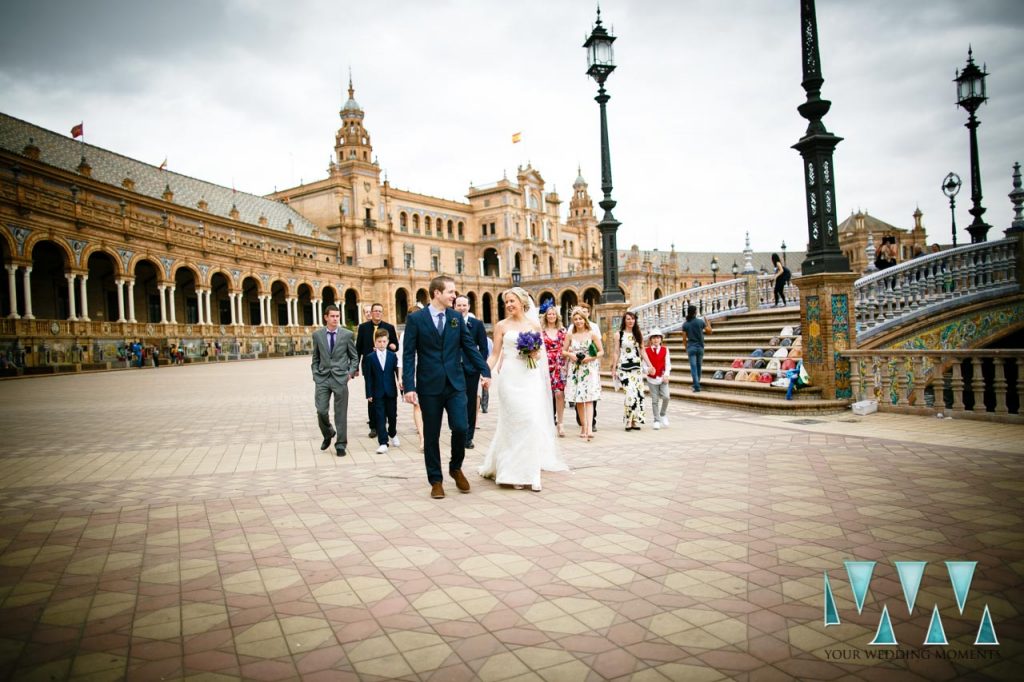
(525, 441)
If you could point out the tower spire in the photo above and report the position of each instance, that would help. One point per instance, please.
(351, 90)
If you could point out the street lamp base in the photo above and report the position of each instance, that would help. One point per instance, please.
(978, 232)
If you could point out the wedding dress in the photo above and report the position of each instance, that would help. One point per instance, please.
(524, 440)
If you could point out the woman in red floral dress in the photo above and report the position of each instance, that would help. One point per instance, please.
(554, 338)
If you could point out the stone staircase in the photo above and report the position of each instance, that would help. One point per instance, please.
(736, 337)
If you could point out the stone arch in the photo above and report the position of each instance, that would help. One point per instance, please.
(567, 300)
(101, 291)
(658, 294)
(304, 292)
(487, 304)
(186, 298)
(51, 261)
(148, 276)
(279, 302)
(592, 297)
(251, 290)
(545, 295)
(329, 295)
(217, 270)
(492, 266)
(115, 259)
(34, 240)
(471, 298)
(401, 305)
(422, 297)
(351, 309)
(8, 247)
(220, 300)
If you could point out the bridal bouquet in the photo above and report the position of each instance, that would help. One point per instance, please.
(527, 344)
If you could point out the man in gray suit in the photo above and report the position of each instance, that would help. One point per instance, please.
(335, 362)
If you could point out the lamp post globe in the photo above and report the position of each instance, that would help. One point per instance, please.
(951, 187)
(714, 269)
(970, 94)
(517, 277)
(600, 64)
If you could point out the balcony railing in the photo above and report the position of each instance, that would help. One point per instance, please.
(931, 284)
(980, 384)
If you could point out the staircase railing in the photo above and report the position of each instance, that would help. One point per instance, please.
(712, 300)
(934, 283)
(972, 383)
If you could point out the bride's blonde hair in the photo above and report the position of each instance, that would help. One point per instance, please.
(519, 293)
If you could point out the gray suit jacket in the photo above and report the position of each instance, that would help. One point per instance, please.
(334, 368)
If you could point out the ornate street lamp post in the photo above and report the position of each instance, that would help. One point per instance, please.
(951, 187)
(823, 252)
(784, 252)
(970, 93)
(735, 270)
(517, 277)
(600, 64)
(714, 269)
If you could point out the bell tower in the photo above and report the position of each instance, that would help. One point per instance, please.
(582, 223)
(352, 142)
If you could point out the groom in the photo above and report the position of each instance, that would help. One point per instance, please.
(437, 343)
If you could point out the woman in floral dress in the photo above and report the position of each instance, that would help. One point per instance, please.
(582, 350)
(554, 339)
(630, 369)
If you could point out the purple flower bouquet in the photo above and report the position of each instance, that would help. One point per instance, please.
(527, 344)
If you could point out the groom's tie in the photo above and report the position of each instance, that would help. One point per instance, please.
(330, 341)
(440, 323)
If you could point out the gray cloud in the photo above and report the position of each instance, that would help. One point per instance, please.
(702, 115)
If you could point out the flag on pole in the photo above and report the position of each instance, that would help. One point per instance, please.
(164, 164)
(78, 130)
(516, 137)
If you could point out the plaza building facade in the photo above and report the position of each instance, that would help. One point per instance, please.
(101, 250)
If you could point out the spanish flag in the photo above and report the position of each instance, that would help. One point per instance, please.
(516, 137)
(78, 130)
(163, 165)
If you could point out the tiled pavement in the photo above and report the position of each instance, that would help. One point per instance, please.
(182, 522)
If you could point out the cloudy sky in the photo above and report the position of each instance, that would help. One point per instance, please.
(702, 115)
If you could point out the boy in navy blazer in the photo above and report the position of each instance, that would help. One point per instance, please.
(380, 372)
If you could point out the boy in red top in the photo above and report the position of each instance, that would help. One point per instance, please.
(657, 379)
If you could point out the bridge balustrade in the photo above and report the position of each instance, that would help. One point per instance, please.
(931, 284)
(979, 384)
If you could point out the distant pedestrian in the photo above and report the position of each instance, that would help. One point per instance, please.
(694, 330)
(156, 356)
(780, 280)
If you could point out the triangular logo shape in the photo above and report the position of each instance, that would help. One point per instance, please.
(960, 574)
(911, 573)
(859, 573)
(884, 636)
(831, 612)
(986, 631)
(936, 633)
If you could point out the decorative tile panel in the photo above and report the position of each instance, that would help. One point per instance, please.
(815, 352)
(841, 343)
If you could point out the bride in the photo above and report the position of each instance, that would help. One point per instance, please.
(524, 440)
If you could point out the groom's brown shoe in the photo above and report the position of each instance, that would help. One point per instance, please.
(436, 491)
(460, 481)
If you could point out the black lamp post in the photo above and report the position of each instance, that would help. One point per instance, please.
(714, 269)
(823, 252)
(951, 187)
(784, 252)
(600, 64)
(735, 269)
(970, 93)
(517, 276)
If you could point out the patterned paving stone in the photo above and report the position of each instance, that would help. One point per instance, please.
(210, 538)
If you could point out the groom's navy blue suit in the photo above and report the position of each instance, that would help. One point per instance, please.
(433, 367)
